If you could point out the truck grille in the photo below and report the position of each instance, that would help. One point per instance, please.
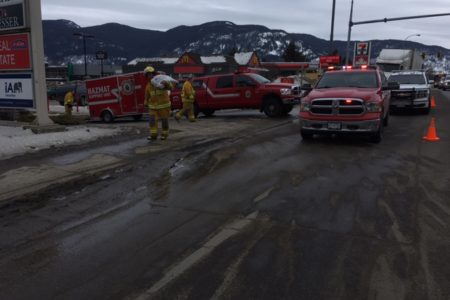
(337, 107)
(403, 95)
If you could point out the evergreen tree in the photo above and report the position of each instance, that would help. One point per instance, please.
(292, 54)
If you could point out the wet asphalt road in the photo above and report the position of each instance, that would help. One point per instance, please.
(261, 215)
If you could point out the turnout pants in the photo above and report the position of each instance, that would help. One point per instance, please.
(154, 116)
(188, 107)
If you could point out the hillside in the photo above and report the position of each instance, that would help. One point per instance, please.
(124, 43)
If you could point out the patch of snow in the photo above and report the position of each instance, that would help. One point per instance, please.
(164, 60)
(16, 141)
(212, 59)
(243, 58)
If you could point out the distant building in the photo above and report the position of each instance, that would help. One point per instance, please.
(195, 64)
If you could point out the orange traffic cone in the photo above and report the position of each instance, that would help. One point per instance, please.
(431, 134)
(433, 102)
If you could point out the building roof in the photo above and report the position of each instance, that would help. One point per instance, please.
(164, 60)
(243, 58)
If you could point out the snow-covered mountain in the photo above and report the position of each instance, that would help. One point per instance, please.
(124, 43)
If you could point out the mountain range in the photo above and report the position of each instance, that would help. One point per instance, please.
(124, 43)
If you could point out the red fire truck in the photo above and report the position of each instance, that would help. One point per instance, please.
(116, 96)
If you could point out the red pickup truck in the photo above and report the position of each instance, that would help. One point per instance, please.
(347, 101)
(239, 90)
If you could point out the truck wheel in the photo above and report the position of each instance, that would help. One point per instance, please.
(273, 108)
(386, 119)
(287, 108)
(377, 136)
(306, 136)
(107, 117)
(137, 117)
(208, 112)
(196, 109)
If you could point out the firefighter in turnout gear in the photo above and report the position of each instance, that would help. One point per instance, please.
(158, 102)
(188, 98)
(68, 103)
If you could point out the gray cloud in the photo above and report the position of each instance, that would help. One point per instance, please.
(307, 16)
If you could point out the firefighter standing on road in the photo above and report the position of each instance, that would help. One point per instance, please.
(188, 98)
(158, 102)
(68, 103)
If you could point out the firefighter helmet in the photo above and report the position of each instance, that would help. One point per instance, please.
(149, 69)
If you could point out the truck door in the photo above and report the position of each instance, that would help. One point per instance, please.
(222, 92)
(246, 88)
(127, 89)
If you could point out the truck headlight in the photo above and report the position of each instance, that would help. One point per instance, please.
(305, 106)
(374, 107)
(421, 93)
(285, 91)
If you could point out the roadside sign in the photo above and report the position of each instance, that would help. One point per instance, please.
(329, 60)
(16, 90)
(101, 55)
(15, 52)
(12, 15)
(361, 54)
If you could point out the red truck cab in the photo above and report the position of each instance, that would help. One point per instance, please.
(347, 101)
(239, 90)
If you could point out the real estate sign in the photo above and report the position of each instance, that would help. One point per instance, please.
(15, 52)
(16, 90)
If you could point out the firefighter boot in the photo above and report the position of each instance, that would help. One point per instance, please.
(165, 128)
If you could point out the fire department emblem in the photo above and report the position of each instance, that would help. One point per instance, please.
(248, 94)
(127, 87)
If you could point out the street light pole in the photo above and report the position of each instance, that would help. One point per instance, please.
(84, 36)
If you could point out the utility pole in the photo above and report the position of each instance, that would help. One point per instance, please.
(350, 24)
(332, 25)
(84, 36)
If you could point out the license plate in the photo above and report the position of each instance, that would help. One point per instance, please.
(402, 103)
(334, 126)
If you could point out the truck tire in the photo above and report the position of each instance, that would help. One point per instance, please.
(287, 108)
(196, 109)
(376, 137)
(386, 119)
(107, 116)
(273, 108)
(137, 117)
(208, 112)
(306, 136)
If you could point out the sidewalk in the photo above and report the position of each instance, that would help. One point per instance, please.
(16, 141)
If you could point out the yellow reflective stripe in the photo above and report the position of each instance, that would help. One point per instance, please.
(157, 93)
(159, 106)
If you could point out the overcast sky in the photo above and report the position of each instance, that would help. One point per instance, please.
(301, 16)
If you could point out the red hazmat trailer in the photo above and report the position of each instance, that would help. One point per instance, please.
(116, 96)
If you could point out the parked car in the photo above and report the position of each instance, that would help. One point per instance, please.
(58, 92)
(446, 83)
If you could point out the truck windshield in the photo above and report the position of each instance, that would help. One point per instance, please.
(348, 79)
(259, 78)
(407, 78)
(389, 67)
